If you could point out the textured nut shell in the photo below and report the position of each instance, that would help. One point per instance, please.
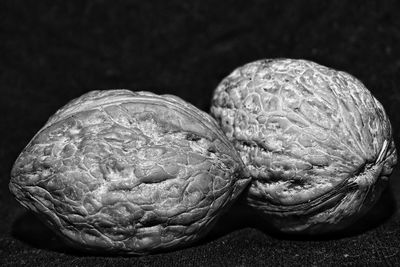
(128, 172)
(318, 145)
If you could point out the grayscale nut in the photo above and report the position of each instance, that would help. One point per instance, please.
(318, 145)
(128, 172)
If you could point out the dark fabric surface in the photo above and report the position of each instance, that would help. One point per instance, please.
(53, 51)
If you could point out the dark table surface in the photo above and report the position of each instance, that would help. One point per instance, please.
(53, 51)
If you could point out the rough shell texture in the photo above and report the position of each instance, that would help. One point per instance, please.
(128, 172)
(318, 145)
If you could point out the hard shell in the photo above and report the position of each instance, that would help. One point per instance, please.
(318, 145)
(128, 172)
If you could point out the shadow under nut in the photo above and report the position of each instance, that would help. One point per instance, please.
(128, 172)
(318, 145)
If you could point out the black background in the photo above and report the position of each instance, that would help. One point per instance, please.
(53, 51)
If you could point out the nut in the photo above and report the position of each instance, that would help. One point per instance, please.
(128, 172)
(318, 145)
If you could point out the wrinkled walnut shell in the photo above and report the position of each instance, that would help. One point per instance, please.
(128, 172)
(318, 145)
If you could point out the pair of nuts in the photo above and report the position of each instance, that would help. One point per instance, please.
(134, 172)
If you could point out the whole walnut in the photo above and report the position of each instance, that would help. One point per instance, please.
(318, 145)
(128, 172)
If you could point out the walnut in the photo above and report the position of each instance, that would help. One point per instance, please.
(318, 145)
(128, 172)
